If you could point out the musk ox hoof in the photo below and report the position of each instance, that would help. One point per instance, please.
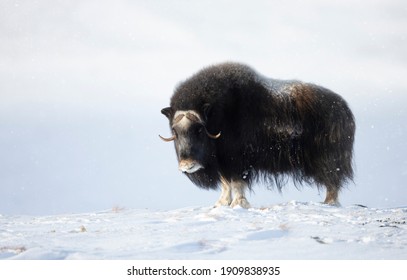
(242, 202)
(332, 197)
(223, 202)
(332, 203)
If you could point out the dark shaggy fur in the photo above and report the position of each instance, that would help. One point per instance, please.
(270, 128)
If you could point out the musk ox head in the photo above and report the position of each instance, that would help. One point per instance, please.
(194, 144)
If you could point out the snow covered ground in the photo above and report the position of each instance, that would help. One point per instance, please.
(293, 230)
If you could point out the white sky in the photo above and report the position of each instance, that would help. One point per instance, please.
(82, 84)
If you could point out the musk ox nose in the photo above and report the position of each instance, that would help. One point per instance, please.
(189, 166)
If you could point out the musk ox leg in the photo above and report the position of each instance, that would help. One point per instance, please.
(226, 196)
(239, 187)
(332, 196)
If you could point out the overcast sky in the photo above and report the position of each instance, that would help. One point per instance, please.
(82, 84)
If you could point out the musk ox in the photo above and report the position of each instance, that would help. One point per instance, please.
(232, 126)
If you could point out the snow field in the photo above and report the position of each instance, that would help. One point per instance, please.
(293, 230)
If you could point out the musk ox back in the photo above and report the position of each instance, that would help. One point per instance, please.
(232, 126)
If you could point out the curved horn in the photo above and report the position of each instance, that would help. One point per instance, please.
(213, 136)
(172, 138)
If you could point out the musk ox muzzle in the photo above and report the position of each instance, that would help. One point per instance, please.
(189, 166)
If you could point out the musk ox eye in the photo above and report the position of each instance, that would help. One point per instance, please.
(200, 131)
